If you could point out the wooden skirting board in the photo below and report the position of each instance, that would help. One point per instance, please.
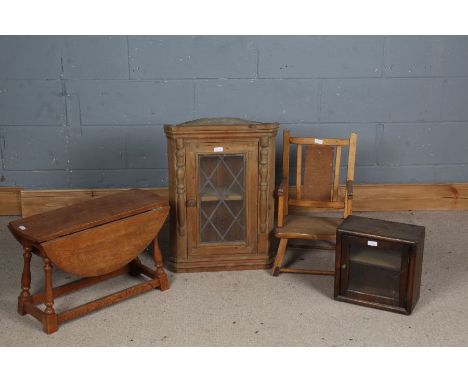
(367, 197)
(10, 201)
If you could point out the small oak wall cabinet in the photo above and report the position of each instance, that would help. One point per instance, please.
(378, 263)
(221, 193)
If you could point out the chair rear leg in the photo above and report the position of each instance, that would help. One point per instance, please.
(279, 257)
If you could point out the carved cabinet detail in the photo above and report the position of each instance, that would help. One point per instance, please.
(221, 185)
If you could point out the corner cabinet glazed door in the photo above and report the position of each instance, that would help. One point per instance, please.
(222, 193)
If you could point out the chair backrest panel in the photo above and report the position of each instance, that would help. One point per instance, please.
(318, 173)
(318, 164)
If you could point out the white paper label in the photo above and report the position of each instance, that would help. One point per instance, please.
(22, 227)
(372, 243)
(218, 149)
(319, 141)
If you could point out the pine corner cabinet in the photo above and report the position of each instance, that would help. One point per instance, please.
(221, 193)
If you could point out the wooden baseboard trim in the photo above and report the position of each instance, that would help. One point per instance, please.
(410, 197)
(10, 201)
(367, 197)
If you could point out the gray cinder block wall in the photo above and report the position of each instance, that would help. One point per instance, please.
(78, 112)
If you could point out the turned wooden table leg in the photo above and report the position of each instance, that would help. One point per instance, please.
(25, 295)
(158, 262)
(49, 319)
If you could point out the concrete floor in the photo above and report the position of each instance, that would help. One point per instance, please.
(252, 308)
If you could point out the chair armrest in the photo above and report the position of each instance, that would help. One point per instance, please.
(349, 189)
(283, 187)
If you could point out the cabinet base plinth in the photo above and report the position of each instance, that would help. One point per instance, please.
(226, 265)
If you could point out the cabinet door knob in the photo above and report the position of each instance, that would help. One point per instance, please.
(343, 266)
(191, 203)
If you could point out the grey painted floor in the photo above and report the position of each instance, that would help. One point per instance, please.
(252, 308)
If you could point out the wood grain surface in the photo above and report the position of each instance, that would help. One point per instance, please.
(84, 215)
(367, 197)
(104, 249)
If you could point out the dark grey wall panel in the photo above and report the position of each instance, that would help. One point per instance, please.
(381, 100)
(133, 102)
(146, 147)
(36, 148)
(38, 179)
(89, 178)
(394, 174)
(263, 100)
(420, 56)
(135, 178)
(87, 111)
(27, 57)
(90, 146)
(450, 173)
(118, 178)
(412, 174)
(89, 57)
(86, 179)
(2, 151)
(318, 56)
(31, 102)
(455, 99)
(419, 144)
(192, 57)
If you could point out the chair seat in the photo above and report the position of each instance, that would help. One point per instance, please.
(308, 228)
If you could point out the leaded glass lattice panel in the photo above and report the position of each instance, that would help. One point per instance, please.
(222, 198)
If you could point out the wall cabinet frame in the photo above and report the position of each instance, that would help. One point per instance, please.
(379, 263)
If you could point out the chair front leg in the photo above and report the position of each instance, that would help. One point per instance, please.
(279, 257)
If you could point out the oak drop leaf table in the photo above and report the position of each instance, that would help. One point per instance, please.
(95, 240)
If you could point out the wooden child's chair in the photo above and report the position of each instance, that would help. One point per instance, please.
(317, 187)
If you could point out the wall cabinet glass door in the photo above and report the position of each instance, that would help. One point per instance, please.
(374, 271)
